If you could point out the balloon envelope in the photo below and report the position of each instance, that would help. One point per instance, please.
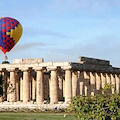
(10, 33)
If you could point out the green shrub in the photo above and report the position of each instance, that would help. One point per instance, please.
(5, 62)
(103, 106)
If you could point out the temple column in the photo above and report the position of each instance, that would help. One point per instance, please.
(1, 89)
(33, 88)
(17, 87)
(30, 84)
(108, 78)
(68, 86)
(8, 84)
(87, 83)
(54, 86)
(117, 83)
(81, 83)
(12, 86)
(40, 86)
(63, 87)
(103, 80)
(113, 82)
(46, 86)
(21, 87)
(26, 85)
(4, 86)
(60, 84)
(74, 83)
(98, 82)
(92, 83)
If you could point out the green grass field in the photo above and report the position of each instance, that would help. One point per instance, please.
(36, 116)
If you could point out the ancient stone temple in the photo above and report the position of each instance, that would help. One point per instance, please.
(37, 82)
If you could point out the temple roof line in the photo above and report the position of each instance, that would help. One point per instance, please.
(65, 65)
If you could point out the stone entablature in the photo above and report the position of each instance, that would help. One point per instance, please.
(95, 68)
(64, 65)
(26, 61)
(47, 65)
(55, 81)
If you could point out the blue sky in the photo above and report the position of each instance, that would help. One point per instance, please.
(63, 30)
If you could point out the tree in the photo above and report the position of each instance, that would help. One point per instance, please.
(5, 62)
(103, 106)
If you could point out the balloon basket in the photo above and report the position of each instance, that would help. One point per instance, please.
(6, 57)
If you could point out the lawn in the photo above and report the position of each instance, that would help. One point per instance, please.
(36, 116)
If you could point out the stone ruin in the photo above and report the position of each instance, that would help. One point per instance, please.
(33, 83)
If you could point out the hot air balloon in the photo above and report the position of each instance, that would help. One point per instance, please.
(10, 33)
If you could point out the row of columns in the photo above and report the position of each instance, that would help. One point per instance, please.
(69, 84)
(19, 86)
(91, 83)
